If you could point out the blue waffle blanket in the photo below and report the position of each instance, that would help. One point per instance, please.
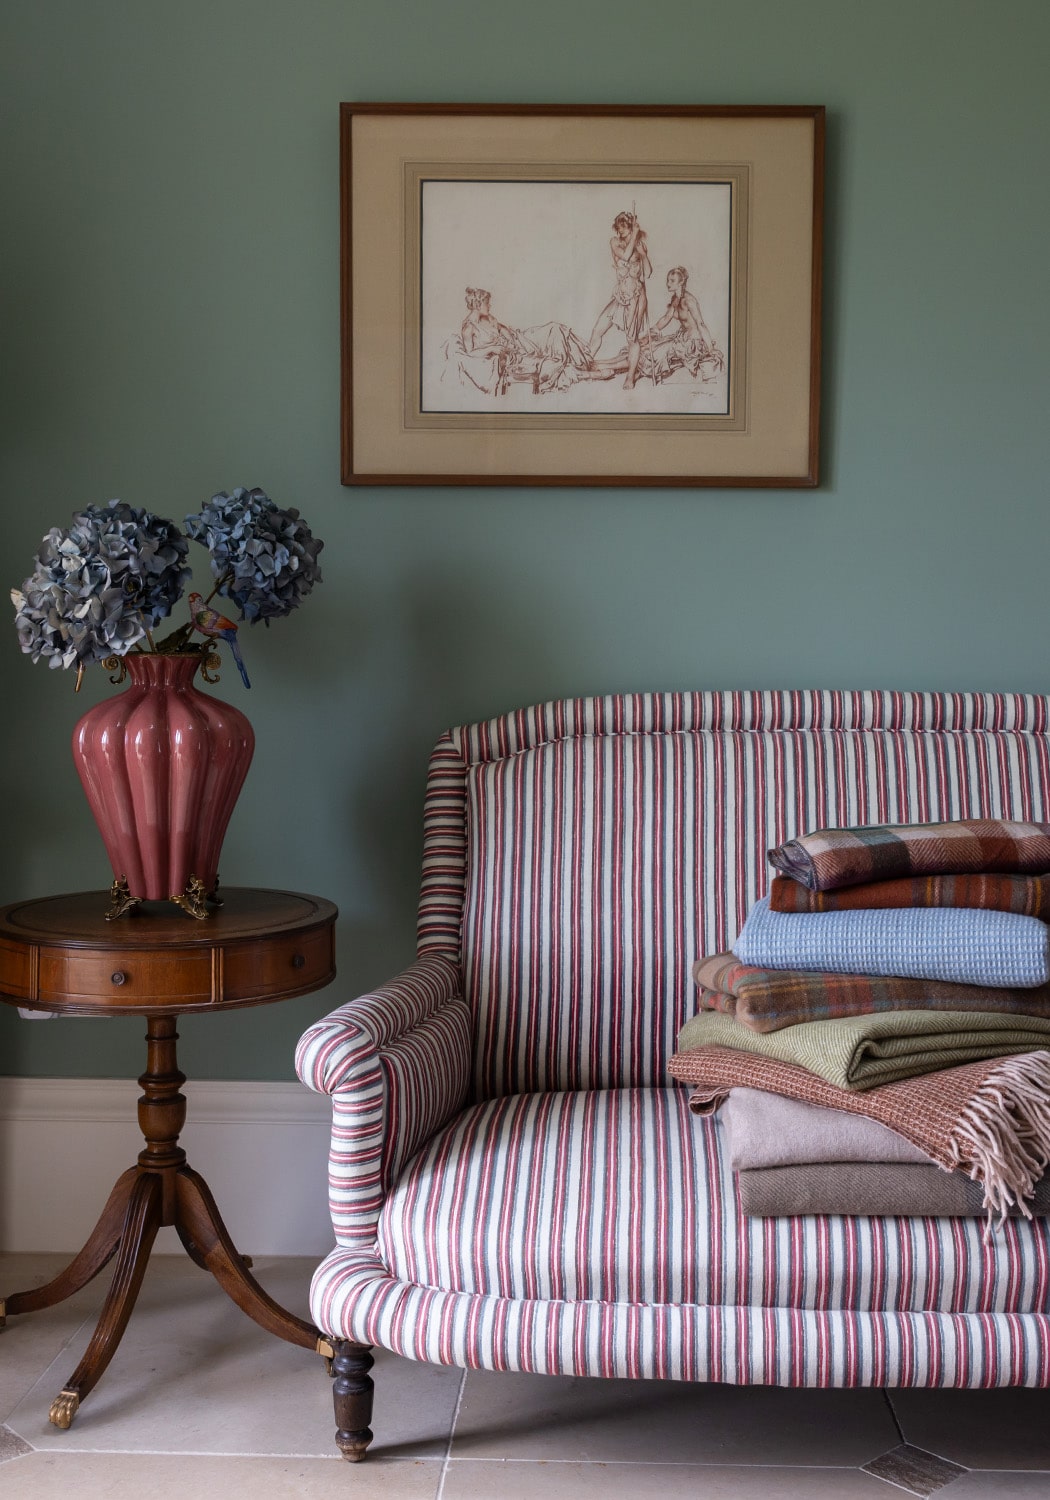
(963, 944)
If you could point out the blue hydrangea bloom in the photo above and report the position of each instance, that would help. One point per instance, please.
(100, 584)
(263, 558)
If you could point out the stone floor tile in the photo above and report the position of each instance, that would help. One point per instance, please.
(914, 1470)
(601, 1481)
(11, 1445)
(1000, 1429)
(130, 1476)
(518, 1416)
(1004, 1485)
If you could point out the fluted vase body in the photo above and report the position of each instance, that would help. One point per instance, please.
(162, 765)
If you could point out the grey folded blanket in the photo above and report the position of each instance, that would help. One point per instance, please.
(871, 1189)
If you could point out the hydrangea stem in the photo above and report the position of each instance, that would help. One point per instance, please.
(226, 577)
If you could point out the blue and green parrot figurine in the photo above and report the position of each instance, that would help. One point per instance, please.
(209, 622)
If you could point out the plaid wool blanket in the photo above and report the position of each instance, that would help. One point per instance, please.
(832, 857)
(1024, 895)
(862, 1052)
(767, 999)
(961, 944)
(988, 1119)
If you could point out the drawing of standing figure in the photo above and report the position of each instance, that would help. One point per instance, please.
(627, 308)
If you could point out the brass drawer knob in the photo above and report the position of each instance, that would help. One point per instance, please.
(119, 977)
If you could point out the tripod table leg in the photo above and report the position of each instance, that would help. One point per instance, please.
(140, 1229)
(198, 1217)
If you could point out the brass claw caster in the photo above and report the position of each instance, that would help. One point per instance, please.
(63, 1409)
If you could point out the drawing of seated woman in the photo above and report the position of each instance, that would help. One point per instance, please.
(490, 355)
(691, 346)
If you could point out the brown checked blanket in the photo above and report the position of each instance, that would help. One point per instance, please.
(988, 1119)
(768, 999)
(833, 857)
(1024, 895)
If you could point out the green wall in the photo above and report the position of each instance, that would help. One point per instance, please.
(169, 280)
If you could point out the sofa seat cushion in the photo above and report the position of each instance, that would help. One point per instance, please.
(576, 1196)
(622, 1196)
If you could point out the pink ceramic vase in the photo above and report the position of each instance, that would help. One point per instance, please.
(162, 765)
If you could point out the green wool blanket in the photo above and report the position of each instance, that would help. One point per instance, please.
(861, 1052)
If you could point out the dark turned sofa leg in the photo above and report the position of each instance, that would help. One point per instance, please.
(352, 1392)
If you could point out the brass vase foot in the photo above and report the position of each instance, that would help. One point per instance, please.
(121, 899)
(194, 899)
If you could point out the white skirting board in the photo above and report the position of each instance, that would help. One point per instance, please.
(261, 1147)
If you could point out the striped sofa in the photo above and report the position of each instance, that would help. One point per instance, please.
(516, 1184)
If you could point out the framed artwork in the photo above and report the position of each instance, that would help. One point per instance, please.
(581, 295)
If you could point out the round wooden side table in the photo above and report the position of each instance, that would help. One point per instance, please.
(61, 954)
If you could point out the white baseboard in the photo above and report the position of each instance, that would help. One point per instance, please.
(262, 1148)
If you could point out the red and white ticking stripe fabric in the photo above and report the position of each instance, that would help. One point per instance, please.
(578, 856)
(396, 1064)
(622, 1195)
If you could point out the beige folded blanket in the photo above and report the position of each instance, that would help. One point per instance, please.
(767, 1130)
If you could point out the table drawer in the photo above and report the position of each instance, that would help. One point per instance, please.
(279, 967)
(17, 970)
(127, 980)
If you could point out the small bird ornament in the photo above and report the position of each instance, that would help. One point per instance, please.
(209, 622)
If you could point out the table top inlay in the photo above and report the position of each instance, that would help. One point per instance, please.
(80, 918)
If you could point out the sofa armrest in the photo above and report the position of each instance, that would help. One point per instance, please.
(328, 1050)
(396, 1063)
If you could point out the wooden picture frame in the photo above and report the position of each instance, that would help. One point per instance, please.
(592, 295)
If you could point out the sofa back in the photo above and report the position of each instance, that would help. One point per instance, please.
(579, 855)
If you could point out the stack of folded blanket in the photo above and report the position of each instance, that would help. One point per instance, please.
(881, 1029)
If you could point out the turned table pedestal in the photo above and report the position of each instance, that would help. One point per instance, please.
(61, 954)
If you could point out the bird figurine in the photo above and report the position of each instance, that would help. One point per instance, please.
(209, 622)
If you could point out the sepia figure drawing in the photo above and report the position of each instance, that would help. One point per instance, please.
(627, 308)
(490, 355)
(691, 346)
(672, 364)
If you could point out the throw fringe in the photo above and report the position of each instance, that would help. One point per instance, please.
(1002, 1136)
